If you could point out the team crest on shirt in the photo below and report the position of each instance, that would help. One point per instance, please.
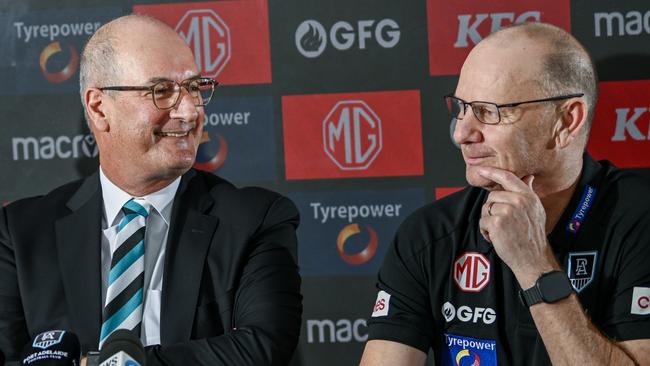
(48, 339)
(581, 269)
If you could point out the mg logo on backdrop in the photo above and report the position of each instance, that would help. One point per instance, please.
(455, 27)
(209, 38)
(372, 134)
(352, 135)
(621, 128)
(229, 39)
(472, 272)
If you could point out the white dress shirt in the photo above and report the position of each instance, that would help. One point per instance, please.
(157, 228)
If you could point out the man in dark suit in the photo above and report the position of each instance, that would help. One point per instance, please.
(203, 272)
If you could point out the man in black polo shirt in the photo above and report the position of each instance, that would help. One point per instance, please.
(546, 258)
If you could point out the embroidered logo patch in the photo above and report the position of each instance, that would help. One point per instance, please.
(581, 211)
(641, 301)
(48, 339)
(466, 351)
(581, 269)
(382, 304)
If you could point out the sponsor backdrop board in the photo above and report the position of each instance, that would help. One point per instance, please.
(337, 104)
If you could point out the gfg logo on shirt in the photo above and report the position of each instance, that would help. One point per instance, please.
(312, 38)
(468, 314)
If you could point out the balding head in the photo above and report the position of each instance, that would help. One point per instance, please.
(103, 54)
(561, 64)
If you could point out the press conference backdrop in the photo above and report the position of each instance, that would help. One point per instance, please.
(337, 104)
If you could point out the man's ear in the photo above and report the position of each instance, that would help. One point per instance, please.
(571, 122)
(96, 109)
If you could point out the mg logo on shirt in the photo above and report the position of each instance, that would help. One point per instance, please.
(455, 27)
(472, 272)
(209, 38)
(352, 135)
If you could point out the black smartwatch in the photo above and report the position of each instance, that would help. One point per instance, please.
(549, 288)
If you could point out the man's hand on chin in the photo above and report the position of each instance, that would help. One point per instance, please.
(513, 220)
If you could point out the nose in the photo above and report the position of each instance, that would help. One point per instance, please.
(185, 108)
(468, 129)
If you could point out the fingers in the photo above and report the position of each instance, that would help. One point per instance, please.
(506, 179)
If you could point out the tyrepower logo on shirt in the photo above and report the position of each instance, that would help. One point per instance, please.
(229, 39)
(352, 135)
(455, 27)
(621, 128)
(471, 272)
(348, 232)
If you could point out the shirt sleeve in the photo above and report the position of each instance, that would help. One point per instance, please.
(402, 311)
(628, 316)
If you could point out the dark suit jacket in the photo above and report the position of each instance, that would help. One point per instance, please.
(231, 288)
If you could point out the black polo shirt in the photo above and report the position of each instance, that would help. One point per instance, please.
(442, 286)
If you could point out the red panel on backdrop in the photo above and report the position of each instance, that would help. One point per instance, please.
(350, 135)
(230, 39)
(456, 26)
(621, 128)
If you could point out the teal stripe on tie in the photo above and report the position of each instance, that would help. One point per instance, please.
(136, 207)
(126, 262)
(125, 220)
(120, 316)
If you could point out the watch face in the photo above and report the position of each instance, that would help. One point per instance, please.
(554, 286)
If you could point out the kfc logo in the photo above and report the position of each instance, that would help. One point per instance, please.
(374, 134)
(621, 128)
(454, 28)
(229, 39)
(472, 272)
(352, 135)
(209, 38)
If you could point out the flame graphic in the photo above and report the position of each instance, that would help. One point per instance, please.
(311, 40)
(364, 255)
(217, 161)
(67, 71)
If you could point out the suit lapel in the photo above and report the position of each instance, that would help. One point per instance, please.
(188, 242)
(78, 240)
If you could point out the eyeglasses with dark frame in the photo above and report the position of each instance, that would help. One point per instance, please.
(488, 112)
(167, 93)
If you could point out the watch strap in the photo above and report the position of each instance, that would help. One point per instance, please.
(531, 296)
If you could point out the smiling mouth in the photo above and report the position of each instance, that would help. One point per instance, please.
(173, 134)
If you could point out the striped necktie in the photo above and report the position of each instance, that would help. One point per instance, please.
(125, 293)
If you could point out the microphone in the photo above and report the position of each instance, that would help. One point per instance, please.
(52, 348)
(122, 348)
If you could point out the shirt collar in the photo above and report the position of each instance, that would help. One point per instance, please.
(114, 198)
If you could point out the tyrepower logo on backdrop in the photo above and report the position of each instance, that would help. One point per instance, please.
(455, 27)
(229, 39)
(50, 147)
(44, 48)
(352, 135)
(471, 272)
(621, 128)
(348, 232)
(312, 39)
(237, 139)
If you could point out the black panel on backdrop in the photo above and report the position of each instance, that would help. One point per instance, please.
(342, 45)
